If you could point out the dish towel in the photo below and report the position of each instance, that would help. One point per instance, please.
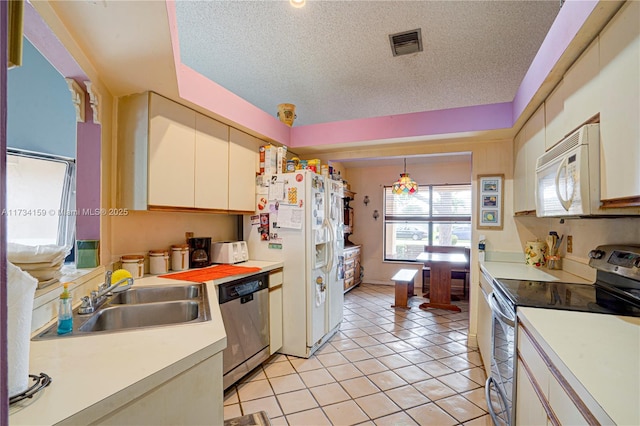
(21, 289)
(211, 273)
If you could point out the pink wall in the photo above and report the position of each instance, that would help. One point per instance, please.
(4, 368)
(88, 134)
(43, 39)
(565, 27)
(196, 88)
(201, 91)
(427, 123)
(88, 141)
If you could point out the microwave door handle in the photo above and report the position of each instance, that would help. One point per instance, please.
(566, 204)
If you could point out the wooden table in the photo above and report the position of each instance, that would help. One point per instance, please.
(441, 265)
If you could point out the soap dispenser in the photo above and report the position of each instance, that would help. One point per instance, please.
(65, 312)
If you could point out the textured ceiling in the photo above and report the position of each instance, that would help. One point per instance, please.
(333, 58)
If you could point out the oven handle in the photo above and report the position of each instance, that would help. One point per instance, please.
(487, 396)
(495, 308)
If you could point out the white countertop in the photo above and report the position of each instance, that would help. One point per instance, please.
(98, 373)
(521, 271)
(598, 354)
(602, 352)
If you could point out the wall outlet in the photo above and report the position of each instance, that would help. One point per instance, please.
(569, 243)
(188, 235)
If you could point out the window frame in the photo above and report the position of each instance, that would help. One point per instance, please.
(429, 219)
(66, 222)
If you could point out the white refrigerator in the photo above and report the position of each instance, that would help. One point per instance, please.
(294, 224)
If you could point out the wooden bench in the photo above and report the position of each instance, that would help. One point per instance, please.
(404, 281)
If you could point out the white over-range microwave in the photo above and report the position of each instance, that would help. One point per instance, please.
(568, 177)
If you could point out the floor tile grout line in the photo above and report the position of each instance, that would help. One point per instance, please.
(446, 329)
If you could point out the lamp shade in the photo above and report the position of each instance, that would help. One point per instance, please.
(405, 185)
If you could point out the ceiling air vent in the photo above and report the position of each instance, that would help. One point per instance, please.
(406, 42)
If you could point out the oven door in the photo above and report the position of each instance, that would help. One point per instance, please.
(500, 386)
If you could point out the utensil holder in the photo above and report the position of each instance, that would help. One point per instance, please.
(554, 262)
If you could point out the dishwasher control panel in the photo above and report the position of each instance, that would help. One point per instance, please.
(243, 287)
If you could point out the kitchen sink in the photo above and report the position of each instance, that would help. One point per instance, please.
(157, 294)
(138, 308)
(144, 315)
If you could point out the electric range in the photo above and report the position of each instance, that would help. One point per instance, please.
(616, 290)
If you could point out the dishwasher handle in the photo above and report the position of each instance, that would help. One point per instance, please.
(246, 299)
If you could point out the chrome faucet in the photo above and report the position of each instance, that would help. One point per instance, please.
(97, 298)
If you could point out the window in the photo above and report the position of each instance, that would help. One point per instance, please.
(438, 215)
(40, 199)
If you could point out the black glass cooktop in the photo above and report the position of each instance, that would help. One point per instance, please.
(567, 296)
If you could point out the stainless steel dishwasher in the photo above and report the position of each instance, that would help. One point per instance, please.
(244, 305)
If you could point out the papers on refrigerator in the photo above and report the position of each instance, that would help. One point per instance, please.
(290, 216)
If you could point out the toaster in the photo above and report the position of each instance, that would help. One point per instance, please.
(229, 252)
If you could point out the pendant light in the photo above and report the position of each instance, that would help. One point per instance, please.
(405, 185)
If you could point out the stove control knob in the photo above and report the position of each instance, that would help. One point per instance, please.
(596, 254)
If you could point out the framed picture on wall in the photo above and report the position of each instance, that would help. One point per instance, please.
(490, 201)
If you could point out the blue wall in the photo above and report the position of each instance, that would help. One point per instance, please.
(40, 114)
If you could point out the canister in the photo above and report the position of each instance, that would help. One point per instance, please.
(87, 253)
(180, 257)
(134, 263)
(535, 252)
(158, 262)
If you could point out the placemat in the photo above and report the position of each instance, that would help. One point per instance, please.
(211, 273)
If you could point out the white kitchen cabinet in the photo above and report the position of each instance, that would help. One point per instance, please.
(171, 153)
(519, 172)
(582, 88)
(194, 397)
(541, 385)
(620, 105)
(485, 323)
(564, 408)
(211, 164)
(243, 165)
(529, 144)
(555, 118)
(172, 158)
(275, 310)
(529, 408)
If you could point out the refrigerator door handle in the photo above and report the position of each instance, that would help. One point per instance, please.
(330, 251)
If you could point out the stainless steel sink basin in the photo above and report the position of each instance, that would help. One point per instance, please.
(157, 294)
(144, 315)
(141, 307)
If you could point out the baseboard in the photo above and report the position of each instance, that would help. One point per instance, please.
(377, 282)
(472, 340)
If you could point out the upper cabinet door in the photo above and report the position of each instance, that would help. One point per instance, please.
(243, 165)
(619, 124)
(555, 119)
(171, 153)
(211, 164)
(519, 171)
(528, 146)
(582, 88)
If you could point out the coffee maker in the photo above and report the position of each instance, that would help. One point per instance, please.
(199, 252)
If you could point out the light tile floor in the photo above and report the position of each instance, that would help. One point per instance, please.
(385, 366)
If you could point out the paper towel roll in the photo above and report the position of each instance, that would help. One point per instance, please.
(21, 288)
